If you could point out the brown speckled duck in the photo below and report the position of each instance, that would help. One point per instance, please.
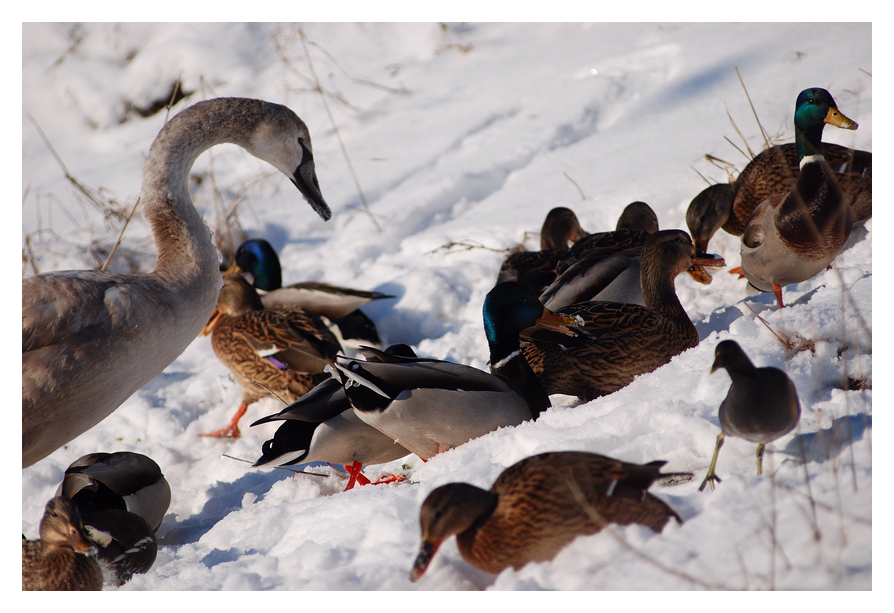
(794, 236)
(62, 558)
(538, 506)
(122, 498)
(775, 171)
(90, 338)
(284, 348)
(257, 259)
(613, 342)
(760, 406)
(537, 269)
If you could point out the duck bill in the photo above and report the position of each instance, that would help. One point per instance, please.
(215, 317)
(836, 118)
(426, 553)
(699, 265)
(234, 270)
(557, 322)
(78, 541)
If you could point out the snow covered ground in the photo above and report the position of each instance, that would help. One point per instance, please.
(467, 135)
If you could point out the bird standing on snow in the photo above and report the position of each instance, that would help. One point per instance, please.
(761, 405)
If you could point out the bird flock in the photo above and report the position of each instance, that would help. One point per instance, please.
(583, 316)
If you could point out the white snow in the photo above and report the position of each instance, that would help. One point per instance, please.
(467, 135)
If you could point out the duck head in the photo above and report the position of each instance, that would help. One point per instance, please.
(257, 258)
(448, 510)
(62, 527)
(511, 307)
(815, 108)
(236, 297)
(560, 229)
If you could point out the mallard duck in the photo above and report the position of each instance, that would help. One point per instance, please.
(538, 506)
(793, 236)
(257, 258)
(430, 406)
(285, 349)
(775, 171)
(537, 269)
(760, 406)
(122, 498)
(62, 558)
(637, 221)
(90, 339)
(321, 426)
(614, 342)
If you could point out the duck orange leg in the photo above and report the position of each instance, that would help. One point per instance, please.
(356, 475)
(778, 291)
(232, 429)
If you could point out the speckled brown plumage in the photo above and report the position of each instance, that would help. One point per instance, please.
(59, 560)
(537, 269)
(538, 506)
(616, 342)
(775, 171)
(246, 334)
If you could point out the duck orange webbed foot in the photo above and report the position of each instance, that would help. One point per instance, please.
(737, 271)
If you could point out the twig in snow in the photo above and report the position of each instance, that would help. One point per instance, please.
(582, 197)
(341, 144)
(465, 246)
(597, 517)
(120, 235)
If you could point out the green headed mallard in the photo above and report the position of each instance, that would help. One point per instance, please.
(793, 236)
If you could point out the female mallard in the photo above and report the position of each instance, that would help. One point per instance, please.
(538, 506)
(321, 426)
(775, 171)
(285, 349)
(614, 342)
(430, 406)
(340, 305)
(62, 559)
(761, 405)
(793, 236)
(90, 339)
(537, 269)
(122, 498)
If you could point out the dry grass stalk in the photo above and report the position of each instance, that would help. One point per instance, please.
(454, 246)
(579, 497)
(341, 144)
(573, 182)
